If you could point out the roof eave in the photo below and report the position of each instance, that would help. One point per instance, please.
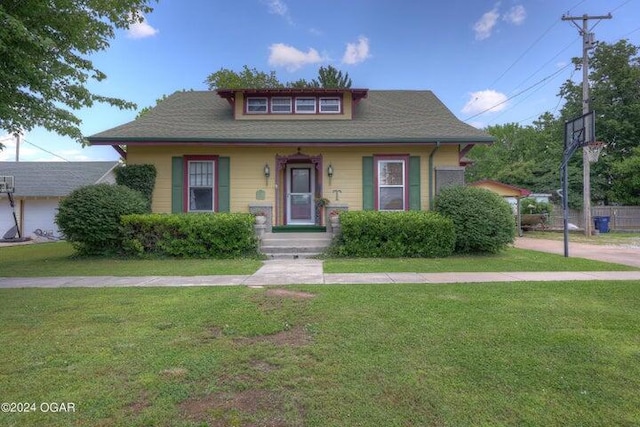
(265, 141)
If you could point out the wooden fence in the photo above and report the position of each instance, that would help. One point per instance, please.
(621, 218)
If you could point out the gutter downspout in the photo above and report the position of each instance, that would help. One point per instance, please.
(431, 183)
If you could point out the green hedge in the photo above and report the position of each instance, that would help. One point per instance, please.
(416, 234)
(89, 217)
(483, 220)
(216, 235)
(138, 177)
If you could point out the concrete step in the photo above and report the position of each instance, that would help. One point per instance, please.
(294, 245)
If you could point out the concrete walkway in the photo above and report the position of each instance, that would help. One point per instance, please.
(310, 272)
(627, 255)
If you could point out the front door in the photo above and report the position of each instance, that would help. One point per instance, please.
(300, 190)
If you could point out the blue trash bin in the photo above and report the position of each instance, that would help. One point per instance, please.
(602, 223)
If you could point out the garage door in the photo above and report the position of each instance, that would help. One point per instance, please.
(40, 214)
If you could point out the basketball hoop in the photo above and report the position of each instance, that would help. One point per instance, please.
(593, 150)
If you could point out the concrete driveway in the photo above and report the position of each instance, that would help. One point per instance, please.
(627, 255)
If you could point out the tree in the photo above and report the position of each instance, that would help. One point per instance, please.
(530, 156)
(44, 69)
(331, 78)
(248, 78)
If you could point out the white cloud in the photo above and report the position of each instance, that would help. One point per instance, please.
(282, 55)
(356, 52)
(280, 8)
(141, 29)
(516, 15)
(485, 25)
(485, 100)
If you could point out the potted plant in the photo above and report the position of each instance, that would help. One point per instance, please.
(334, 217)
(321, 202)
(261, 217)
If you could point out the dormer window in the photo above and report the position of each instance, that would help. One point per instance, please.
(257, 105)
(330, 105)
(280, 104)
(306, 105)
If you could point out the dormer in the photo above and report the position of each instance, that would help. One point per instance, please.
(293, 104)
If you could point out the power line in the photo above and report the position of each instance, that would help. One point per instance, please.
(519, 93)
(46, 151)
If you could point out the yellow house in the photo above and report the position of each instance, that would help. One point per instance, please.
(296, 154)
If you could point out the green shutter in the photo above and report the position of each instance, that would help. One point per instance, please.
(224, 180)
(177, 188)
(414, 183)
(367, 184)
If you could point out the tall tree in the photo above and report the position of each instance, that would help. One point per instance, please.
(44, 65)
(614, 78)
(330, 78)
(248, 78)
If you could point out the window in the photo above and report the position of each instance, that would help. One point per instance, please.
(329, 105)
(391, 185)
(280, 105)
(256, 105)
(200, 185)
(306, 105)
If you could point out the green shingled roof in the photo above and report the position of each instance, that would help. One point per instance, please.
(384, 116)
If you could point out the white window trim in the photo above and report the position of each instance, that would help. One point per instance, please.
(315, 105)
(333, 98)
(256, 98)
(288, 98)
(213, 185)
(403, 186)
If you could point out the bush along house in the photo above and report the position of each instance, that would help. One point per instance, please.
(297, 155)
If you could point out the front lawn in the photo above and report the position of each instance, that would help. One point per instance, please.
(537, 354)
(57, 259)
(611, 238)
(512, 259)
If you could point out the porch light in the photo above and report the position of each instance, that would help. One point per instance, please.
(330, 171)
(267, 173)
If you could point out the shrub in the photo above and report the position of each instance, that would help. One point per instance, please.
(394, 234)
(138, 177)
(530, 205)
(89, 217)
(484, 221)
(216, 235)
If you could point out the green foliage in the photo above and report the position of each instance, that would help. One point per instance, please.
(44, 46)
(530, 156)
(330, 77)
(530, 205)
(138, 177)
(626, 179)
(251, 78)
(248, 78)
(89, 217)
(483, 220)
(216, 235)
(394, 234)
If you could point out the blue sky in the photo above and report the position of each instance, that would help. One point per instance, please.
(490, 62)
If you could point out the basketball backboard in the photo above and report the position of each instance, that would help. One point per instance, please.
(580, 131)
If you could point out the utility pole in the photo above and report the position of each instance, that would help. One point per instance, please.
(17, 147)
(588, 42)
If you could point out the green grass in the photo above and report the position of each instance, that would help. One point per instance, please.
(612, 238)
(530, 354)
(57, 259)
(512, 259)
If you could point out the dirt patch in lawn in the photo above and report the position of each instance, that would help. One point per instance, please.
(246, 407)
(297, 336)
(286, 293)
